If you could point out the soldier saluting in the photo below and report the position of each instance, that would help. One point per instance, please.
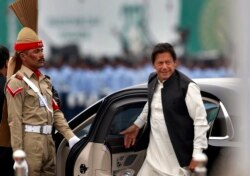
(31, 108)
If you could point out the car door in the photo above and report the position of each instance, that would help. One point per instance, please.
(81, 125)
(100, 150)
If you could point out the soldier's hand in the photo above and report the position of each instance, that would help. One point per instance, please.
(73, 141)
(130, 135)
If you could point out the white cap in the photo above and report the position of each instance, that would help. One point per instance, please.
(19, 154)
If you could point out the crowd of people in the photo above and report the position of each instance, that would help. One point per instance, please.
(80, 82)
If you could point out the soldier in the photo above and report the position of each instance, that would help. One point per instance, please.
(31, 108)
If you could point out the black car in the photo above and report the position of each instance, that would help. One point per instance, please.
(101, 152)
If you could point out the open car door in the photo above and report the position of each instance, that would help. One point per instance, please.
(101, 152)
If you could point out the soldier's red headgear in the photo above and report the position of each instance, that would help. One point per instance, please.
(26, 39)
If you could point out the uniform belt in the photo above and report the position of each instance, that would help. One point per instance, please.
(41, 129)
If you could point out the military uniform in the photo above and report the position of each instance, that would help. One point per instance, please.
(30, 121)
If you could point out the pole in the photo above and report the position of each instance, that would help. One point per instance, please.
(20, 162)
(200, 169)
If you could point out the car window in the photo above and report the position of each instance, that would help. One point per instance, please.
(84, 131)
(212, 108)
(85, 119)
(222, 127)
(125, 116)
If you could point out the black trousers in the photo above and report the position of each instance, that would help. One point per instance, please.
(6, 161)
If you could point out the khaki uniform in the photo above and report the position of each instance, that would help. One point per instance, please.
(24, 108)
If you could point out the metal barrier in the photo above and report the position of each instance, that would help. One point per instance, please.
(200, 169)
(20, 165)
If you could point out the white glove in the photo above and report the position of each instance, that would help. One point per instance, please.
(73, 141)
(23, 165)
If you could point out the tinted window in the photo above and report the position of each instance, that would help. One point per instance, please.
(84, 131)
(85, 119)
(125, 116)
(212, 109)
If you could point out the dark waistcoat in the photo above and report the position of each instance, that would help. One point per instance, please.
(179, 123)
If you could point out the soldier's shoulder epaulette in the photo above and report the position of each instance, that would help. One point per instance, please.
(14, 84)
(18, 76)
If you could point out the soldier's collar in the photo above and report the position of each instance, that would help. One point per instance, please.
(28, 72)
(37, 73)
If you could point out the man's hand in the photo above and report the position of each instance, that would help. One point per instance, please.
(130, 135)
(198, 159)
(192, 164)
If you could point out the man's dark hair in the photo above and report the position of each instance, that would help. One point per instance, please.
(4, 56)
(163, 48)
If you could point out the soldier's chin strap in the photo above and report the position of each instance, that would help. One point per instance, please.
(36, 90)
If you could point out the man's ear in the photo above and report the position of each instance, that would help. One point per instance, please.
(21, 55)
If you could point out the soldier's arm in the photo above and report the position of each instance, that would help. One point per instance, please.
(15, 96)
(60, 122)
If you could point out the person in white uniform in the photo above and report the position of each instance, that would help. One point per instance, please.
(175, 119)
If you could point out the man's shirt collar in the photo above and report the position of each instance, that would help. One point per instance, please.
(28, 72)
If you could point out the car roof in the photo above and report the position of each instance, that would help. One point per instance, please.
(230, 83)
(225, 89)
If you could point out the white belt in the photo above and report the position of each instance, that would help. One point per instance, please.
(41, 129)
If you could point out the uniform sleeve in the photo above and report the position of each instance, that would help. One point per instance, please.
(62, 125)
(15, 96)
(198, 113)
(142, 118)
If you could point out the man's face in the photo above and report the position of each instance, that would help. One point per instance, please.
(164, 65)
(33, 58)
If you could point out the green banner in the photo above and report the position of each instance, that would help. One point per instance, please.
(3, 22)
(208, 24)
(9, 24)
